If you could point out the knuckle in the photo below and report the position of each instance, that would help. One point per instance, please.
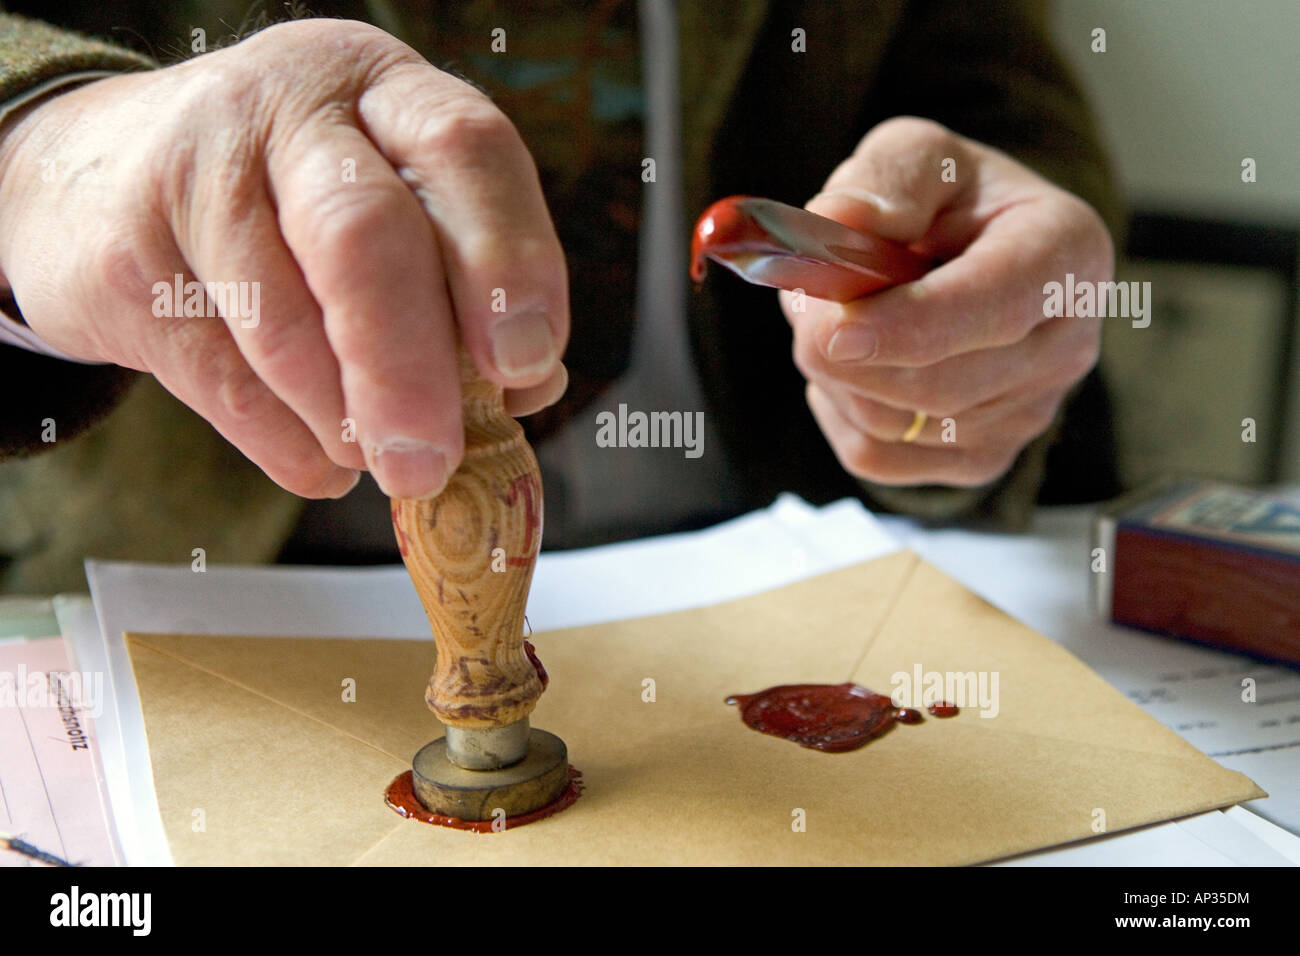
(541, 256)
(1079, 361)
(916, 388)
(919, 344)
(241, 396)
(872, 417)
(352, 40)
(1086, 233)
(228, 92)
(307, 474)
(987, 465)
(211, 81)
(927, 133)
(1011, 325)
(120, 267)
(862, 457)
(275, 348)
(1040, 416)
(308, 478)
(806, 355)
(348, 57)
(348, 225)
(469, 125)
(191, 172)
(537, 270)
(356, 30)
(363, 354)
(1074, 354)
(1000, 463)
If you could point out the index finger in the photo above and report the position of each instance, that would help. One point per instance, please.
(368, 255)
(989, 296)
(477, 182)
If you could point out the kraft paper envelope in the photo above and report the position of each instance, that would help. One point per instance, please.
(258, 759)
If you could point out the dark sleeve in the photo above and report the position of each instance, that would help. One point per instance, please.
(34, 387)
(987, 70)
(32, 52)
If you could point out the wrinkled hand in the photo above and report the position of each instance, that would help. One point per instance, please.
(380, 205)
(967, 344)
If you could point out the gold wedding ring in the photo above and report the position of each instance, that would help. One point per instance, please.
(913, 430)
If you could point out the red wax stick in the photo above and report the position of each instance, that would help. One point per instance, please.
(771, 244)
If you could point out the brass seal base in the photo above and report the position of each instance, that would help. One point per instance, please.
(535, 782)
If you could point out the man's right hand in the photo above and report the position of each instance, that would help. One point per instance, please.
(237, 167)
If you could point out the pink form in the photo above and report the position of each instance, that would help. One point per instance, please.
(49, 767)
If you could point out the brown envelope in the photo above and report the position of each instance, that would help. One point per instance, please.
(258, 759)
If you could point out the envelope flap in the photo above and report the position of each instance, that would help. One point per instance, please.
(322, 678)
(244, 780)
(939, 632)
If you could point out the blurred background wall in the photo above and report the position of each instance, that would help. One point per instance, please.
(1185, 91)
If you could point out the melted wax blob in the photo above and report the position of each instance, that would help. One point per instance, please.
(401, 798)
(830, 717)
(943, 709)
(537, 664)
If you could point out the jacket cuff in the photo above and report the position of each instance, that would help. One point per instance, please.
(31, 53)
(45, 400)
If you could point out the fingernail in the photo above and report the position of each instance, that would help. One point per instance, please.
(405, 468)
(562, 387)
(523, 345)
(852, 342)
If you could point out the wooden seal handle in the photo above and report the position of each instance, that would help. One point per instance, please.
(471, 552)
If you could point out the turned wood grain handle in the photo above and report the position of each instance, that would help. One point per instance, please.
(471, 552)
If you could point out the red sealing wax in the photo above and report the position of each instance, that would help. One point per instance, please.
(537, 663)
(830, 717)
(769, 243)
(400, 797)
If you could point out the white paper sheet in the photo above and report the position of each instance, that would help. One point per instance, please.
(781, 544)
